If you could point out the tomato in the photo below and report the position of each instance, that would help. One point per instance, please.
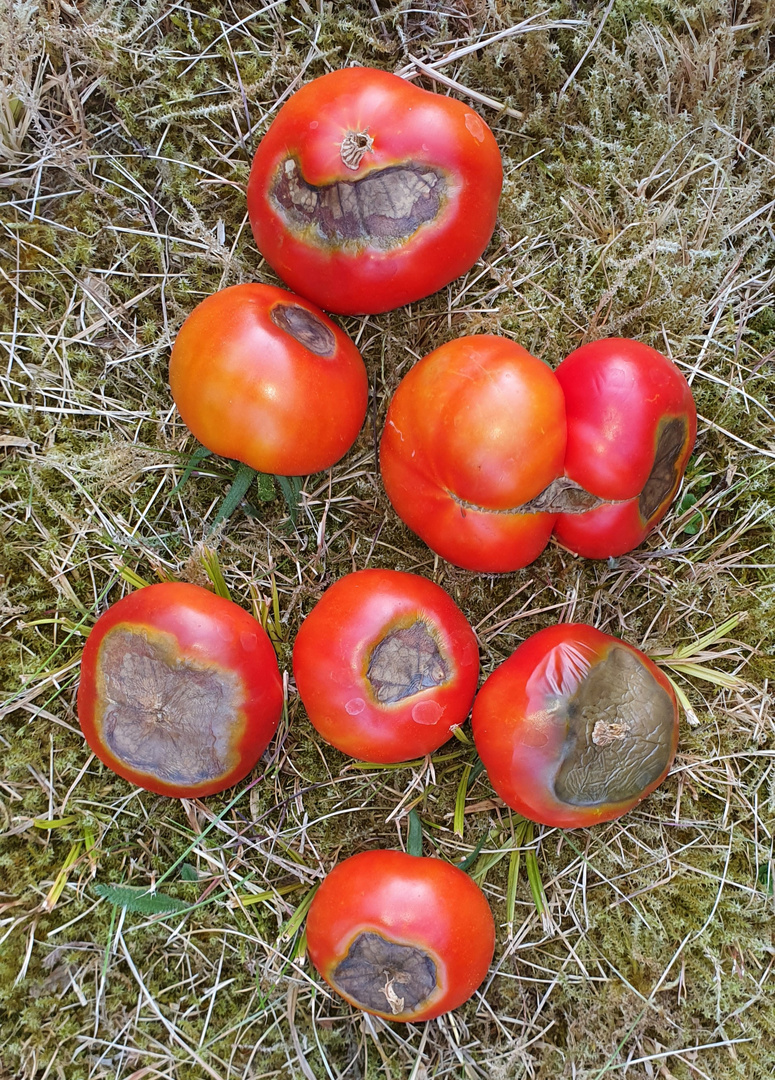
(386, 665)
(474, 432)
(405, 937)
(180, 691)
(631, 429)
(486, 451)
(576, 727)
(264, 377)
(367, 192)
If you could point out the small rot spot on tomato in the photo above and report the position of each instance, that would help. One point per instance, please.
(475, 126)
(427, 712)
(355, 706)
(313, 124)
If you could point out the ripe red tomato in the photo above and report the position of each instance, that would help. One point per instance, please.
(485, 451)
(367, 192)
(386, 665)
(576, 727)
(631, 429)
(180, 691)
(404, 937)
(475, 431)
(264, 377)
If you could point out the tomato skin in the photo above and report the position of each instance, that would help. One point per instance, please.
(249, 389)
(409, 127)
(206, 636)
(619, 395)
(336, 643)
(524, 734)
(418, 902)
(485, 452)
(478, 423)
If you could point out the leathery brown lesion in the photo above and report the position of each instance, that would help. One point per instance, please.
(621, 726)
(381, 209)
(169, 718)
(384, 976)
(404, 662)
(305, 327)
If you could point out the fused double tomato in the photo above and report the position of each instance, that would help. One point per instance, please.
(486, 451)
(367, 192)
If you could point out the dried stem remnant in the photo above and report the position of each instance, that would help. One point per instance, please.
(385, 976)
(405, 662)
(164, 716)
(382, 209)
(620, 733)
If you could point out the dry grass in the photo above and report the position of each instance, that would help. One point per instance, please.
(640, 157)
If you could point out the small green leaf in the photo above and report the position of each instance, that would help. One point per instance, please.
(460, 801)
(243, 478)
(139, 900)
(469, 860)
(414, 838)
(194, 462)
(293, 924)
(188, 872)
(265, 487)
(291, 489)
(764, 876)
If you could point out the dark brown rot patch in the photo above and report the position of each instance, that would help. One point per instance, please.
(383, 976)
(382, 209)
(620, 733)
(163, 716)
(664, 477)
(405, 662)
(305, 327)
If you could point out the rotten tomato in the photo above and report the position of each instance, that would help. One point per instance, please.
(264, 377)
(486, 451)
(402, 936)
(180, 691)
(576, 727)
(368, 192)
(386, 665)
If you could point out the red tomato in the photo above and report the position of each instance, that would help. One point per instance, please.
(386, 665)
(475, 431)
(576, 727)
(367, 192)
(264, 377)
(180, 691)
(485, 451)
(631, 429)
(404, 937)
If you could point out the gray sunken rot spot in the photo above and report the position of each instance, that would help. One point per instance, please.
(382, 209)
(620, 733)
(405, 662)
(305, 327)
(169, 718)
(664, 471)
(383, 976)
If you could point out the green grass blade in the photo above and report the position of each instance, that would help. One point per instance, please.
(414, 837)
(139, 900)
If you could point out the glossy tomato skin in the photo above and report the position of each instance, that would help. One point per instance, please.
(576, 727)
(180, 691)
(443, 159)
(475, 429)
(424, 915)
(264, 377)
(632, 423)
(386, 665)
